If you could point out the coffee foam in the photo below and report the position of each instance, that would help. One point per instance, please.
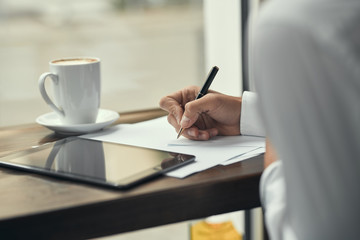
(74, 61)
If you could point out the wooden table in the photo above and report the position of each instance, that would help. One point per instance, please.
(39, 207)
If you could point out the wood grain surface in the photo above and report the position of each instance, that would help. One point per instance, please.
(39, 207)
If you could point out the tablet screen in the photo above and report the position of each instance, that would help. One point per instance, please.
(110, 164)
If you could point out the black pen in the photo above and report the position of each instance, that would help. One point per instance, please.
(204, 89)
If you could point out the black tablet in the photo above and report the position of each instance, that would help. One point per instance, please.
(109, 164)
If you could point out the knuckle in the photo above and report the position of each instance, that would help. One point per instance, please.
(162, 102)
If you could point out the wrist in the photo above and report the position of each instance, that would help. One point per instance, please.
(270, 154)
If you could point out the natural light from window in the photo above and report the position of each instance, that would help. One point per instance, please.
(148, 49)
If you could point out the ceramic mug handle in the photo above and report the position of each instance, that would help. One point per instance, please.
(44, 94)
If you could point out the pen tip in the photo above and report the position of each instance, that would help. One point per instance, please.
(180, 132)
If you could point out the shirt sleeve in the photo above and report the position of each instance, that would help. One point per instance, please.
(273, 200)
(307, 86)
(250, 120)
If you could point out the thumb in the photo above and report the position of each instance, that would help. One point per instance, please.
(193, 109)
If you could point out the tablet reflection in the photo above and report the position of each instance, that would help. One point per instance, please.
(174, 160)
(84, 158)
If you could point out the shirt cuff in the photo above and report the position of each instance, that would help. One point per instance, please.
(272, 176)
(273, 199)
(250, 120)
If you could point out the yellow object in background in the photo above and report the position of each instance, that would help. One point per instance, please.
(214, 231)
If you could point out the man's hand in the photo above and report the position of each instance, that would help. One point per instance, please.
(213, 114)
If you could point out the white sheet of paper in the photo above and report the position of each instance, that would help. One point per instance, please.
(250, 154)
(159, 134)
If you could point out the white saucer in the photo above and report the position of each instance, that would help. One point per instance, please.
(52, 121)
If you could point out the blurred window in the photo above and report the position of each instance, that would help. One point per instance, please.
(148, 48)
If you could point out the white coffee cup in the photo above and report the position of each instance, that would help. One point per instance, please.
(76, 86)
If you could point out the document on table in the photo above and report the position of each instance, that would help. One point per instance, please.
(159, 134)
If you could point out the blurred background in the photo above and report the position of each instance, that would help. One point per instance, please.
(148, 48)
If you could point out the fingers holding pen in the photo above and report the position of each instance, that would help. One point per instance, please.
(172, 120)
(186, 113)
(190, 131)
(174, 104)
(174, 108)
(196, 126)
(194, 109)
(195, 133)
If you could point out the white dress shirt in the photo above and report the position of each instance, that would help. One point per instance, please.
(251, 122)
(306, 68)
